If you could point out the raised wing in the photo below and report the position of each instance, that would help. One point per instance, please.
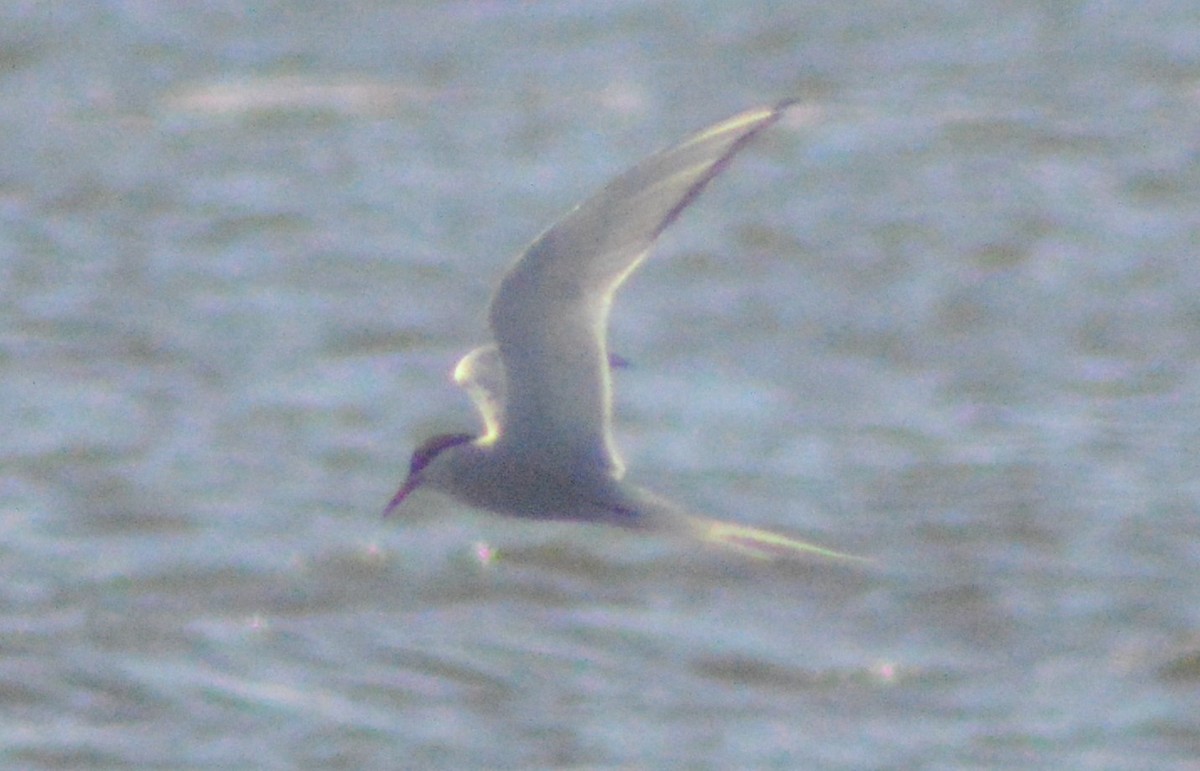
(550, 314)
(481, 375)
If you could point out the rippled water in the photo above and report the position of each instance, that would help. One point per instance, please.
(948, 316)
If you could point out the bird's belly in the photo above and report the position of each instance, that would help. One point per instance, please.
(535, 493)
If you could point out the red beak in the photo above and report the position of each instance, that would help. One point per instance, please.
(410, 484)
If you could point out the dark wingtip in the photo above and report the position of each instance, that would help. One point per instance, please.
(775, 113)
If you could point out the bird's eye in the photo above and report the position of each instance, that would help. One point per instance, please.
(432, 447)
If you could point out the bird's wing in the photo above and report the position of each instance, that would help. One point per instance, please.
(550, 314)
(481, 375)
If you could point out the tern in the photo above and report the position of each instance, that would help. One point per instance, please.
(544, 387)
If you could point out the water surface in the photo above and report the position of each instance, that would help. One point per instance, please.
(945, 316)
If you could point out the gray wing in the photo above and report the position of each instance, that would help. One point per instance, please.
(550, 314)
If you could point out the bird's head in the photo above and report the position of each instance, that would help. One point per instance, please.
(418, 467)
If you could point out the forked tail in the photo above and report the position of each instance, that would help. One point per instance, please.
(763, 544)
(652, 511)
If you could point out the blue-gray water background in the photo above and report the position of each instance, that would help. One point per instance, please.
(947, 315)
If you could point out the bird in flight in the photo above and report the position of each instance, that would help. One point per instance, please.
(544, 387)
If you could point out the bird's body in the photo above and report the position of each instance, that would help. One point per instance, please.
(544, 387)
